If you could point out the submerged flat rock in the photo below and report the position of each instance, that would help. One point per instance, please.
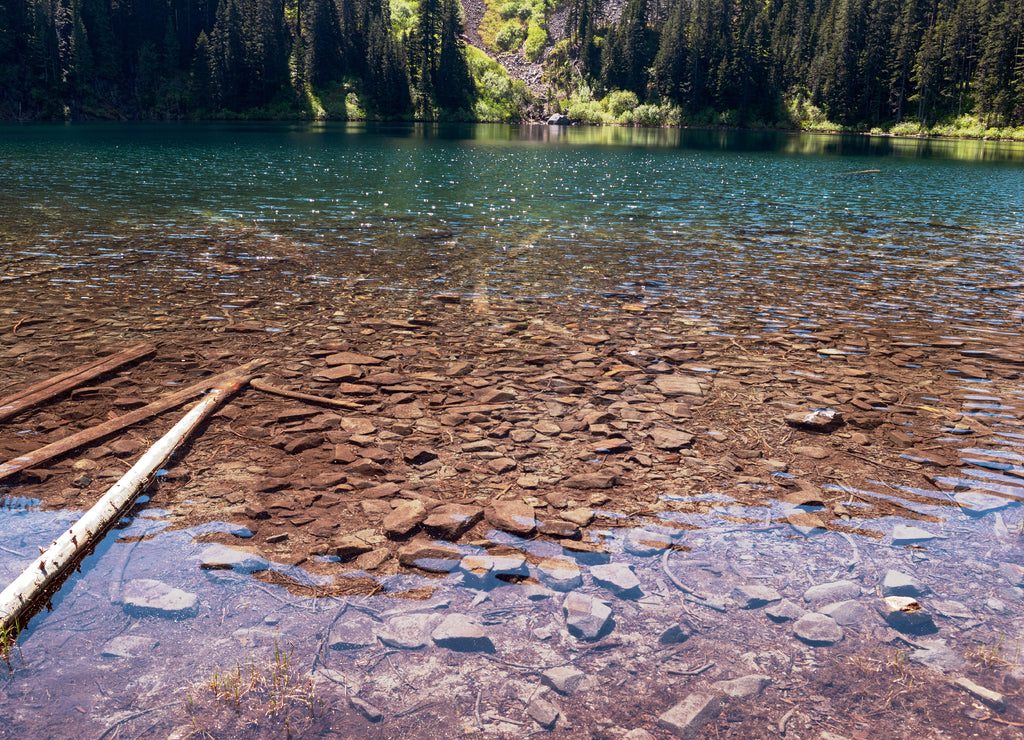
(149, 598)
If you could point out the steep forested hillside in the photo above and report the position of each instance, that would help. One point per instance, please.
(740, 62)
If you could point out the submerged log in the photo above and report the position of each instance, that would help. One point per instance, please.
(63, 446)
(35, 581)
(15, 403)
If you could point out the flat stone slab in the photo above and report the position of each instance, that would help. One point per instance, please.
(678, 385)
(897, 583)
(817, 629)
(618, 578)
(462, 633)
(850, 613)
(428, 557)
(514, 517)
(148, 598)
(560, 574)
(908, 534)
(404, 519)
(222, 557)
(754, 596)
(835, 591)
(564, 679)
(352, 634)
(785, 611)
(129, 646)
(452, 521)
(543, 712)
(407, 631)
(937, 655)
(586, 617)
(670, 439)
(646, 543)
(686, 718)
(905, 614)
(743, 687)
(977, 503)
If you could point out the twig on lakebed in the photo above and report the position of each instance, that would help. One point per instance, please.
(129, 718)
(672, 577)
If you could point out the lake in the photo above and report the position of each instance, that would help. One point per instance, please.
(675, 418)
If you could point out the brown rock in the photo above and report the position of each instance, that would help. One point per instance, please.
(678, 385)
(348, 546)
(452, 521)
(404, 519)
(502, 465)
(670, 439)
(429, 557)
(351, 358)
(512, 516)
(589, 481)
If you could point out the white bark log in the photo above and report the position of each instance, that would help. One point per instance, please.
(66, 549)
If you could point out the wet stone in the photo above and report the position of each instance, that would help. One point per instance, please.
(905, 614)
(835, 591)
(754, 596)
(564, 679)
(686, 718)
(129, 646)
(560, 574)
(679, 632)
(817, 629)
(896, 583)
(618, 578)
(983, 694)
(352, 634)
(514, 517)
(484, 571)
(146, 597)
(908, 534)
(645, 543)
(365, 708)
(850, 613)
(408, 631)
(452, 521)
(937, 655)
(1013, 573)
(543, 712)
(221, 557)
(743, 687)
(586, 617)
(462, 633)
(977, 503)
(429, 557)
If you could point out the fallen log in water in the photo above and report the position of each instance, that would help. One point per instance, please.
(34, 582)
(63, 446)
(51, 387)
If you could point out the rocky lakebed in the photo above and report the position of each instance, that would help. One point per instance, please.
(466, 512)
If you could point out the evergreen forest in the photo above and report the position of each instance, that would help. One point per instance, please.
(847, 64)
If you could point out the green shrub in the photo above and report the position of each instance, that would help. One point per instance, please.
(515, 9)
(620, 101)
(906, 128)
(536, 40)
(510, 36)
(648, 115)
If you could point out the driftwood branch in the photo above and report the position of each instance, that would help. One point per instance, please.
(52, 387)
(74, 441)
(261, 385)
(28, 588)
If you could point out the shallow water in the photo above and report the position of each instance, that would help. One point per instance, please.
(750, 237)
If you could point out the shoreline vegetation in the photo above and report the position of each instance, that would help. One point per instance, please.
(949, 68)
